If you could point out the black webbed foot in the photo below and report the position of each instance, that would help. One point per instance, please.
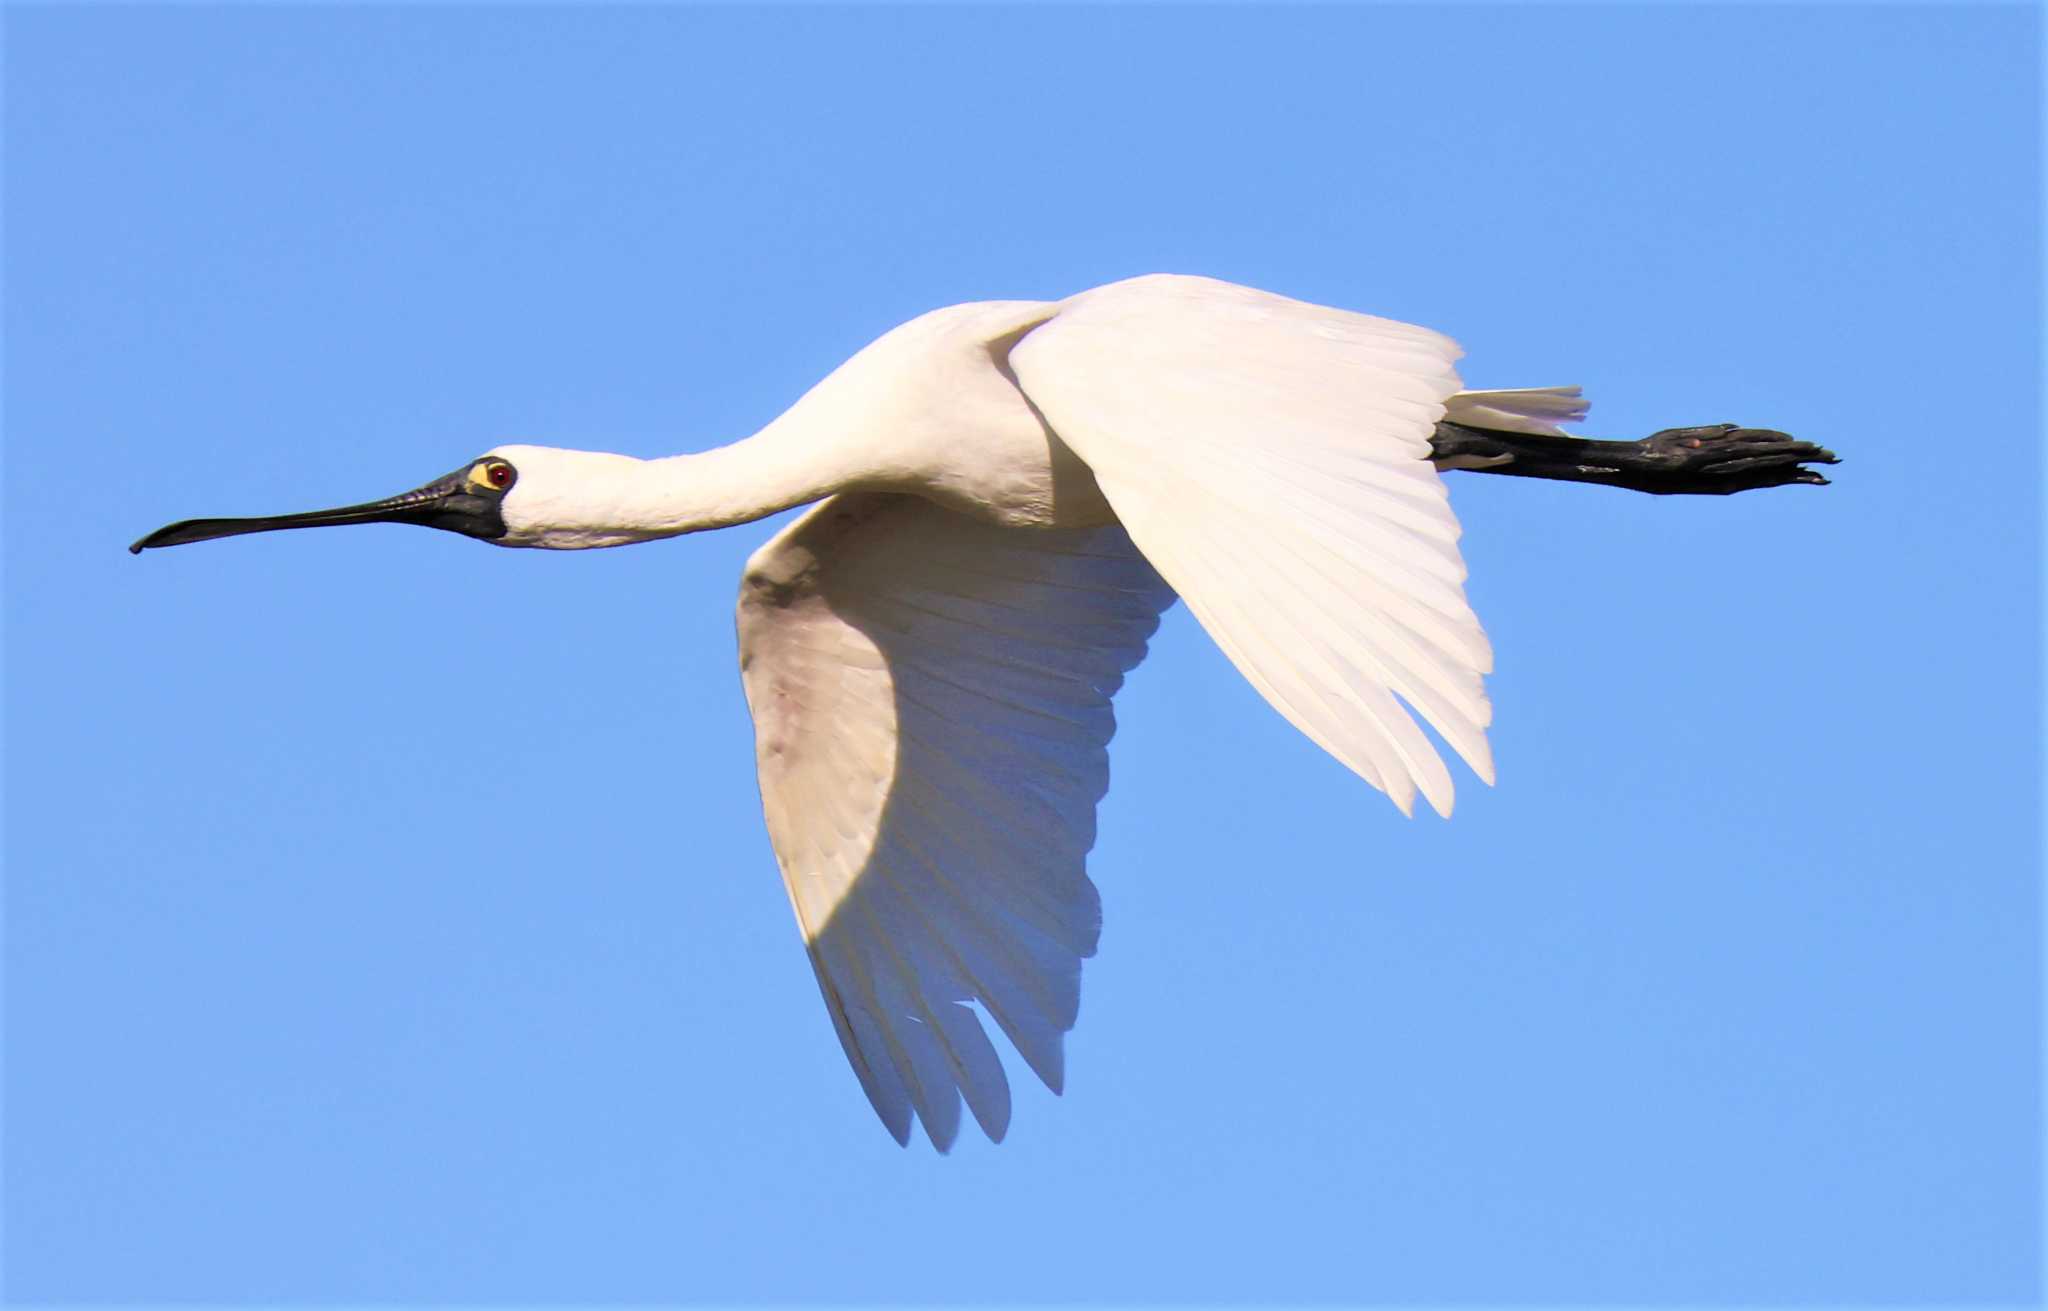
(1721, 458)
(1713, 460)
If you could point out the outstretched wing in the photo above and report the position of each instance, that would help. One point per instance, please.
(931, 701)
(1271, 459)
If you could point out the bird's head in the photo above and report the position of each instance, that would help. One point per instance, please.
(512, 496)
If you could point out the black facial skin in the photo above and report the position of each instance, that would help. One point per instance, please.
(469, 501)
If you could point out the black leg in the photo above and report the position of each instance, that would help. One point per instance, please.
(1708, 461)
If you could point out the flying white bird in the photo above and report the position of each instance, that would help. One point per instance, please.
(1010, 493)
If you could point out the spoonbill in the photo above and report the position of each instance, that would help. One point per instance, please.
(1009, 494)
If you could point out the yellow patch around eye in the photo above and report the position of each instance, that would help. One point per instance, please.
(480, 475)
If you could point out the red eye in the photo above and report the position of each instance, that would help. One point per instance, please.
(499, 475)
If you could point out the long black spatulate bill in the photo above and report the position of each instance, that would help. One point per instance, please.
(468, 501)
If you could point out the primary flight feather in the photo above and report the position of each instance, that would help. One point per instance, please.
(1009, 494)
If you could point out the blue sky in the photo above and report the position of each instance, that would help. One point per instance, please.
(390, 918)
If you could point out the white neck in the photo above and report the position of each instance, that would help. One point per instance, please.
(886, 419)
(734, 484)
(570, 500)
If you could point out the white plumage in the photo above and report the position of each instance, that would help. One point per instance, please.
(931, 690)
(931, 700)
(1010, 493)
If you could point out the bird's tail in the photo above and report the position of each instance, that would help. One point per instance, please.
(1528, 409)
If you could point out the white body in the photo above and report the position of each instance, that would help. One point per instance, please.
(925, 408)
(1013, 492)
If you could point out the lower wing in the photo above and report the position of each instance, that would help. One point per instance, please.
(931, 702)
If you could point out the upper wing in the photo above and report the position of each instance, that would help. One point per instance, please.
(1271, 459)
(931, 715)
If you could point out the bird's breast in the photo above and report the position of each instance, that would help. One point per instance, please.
(961, 432)
(1018, 477)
